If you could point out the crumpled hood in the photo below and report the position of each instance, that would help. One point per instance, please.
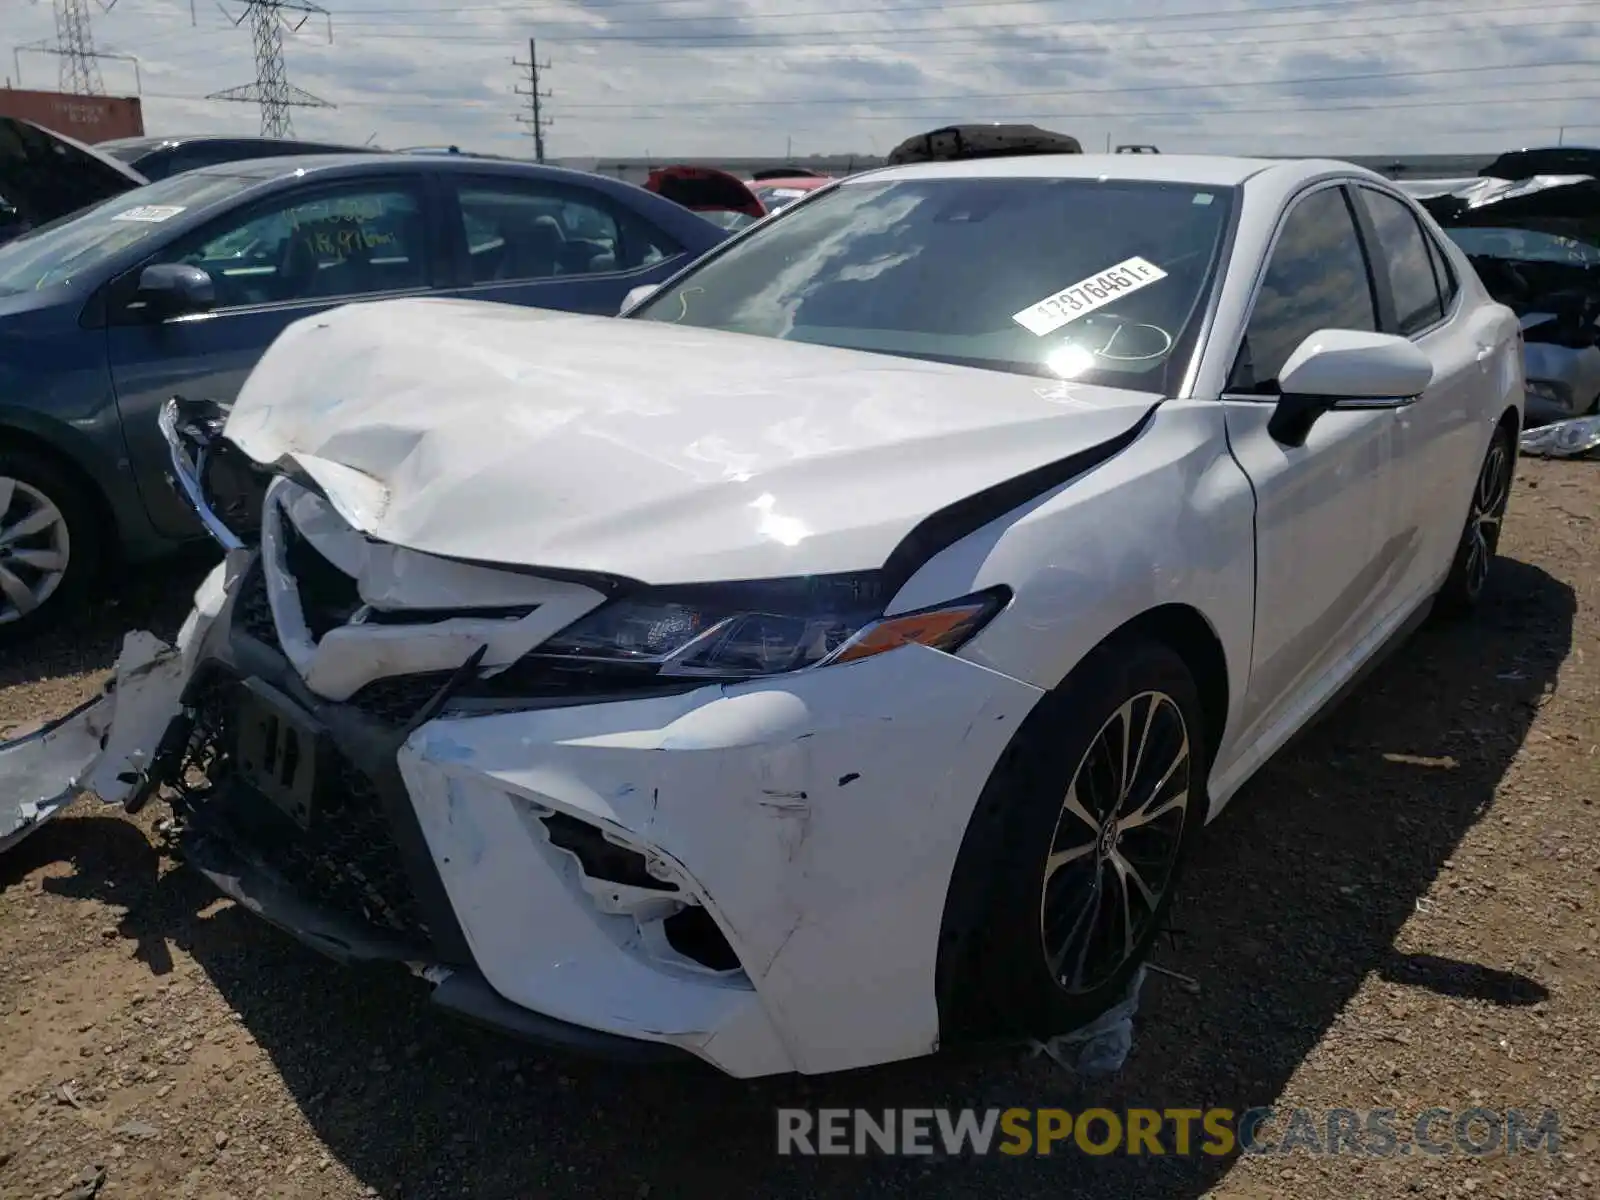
(661, 453)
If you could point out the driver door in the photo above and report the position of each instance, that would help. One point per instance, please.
(1328, 513)
(272, 262)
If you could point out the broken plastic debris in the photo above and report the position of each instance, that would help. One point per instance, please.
(98, 747)
(1103, 1045)
(1574, 438)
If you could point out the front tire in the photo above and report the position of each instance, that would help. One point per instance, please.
(50, 545)
(1068, 868)
(1469, 573)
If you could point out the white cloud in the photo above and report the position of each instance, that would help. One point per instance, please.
(699, 78)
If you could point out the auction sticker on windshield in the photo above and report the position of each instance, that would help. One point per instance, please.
(150, 212)
(1083, 297)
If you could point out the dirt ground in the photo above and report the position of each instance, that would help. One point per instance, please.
(1397, 913)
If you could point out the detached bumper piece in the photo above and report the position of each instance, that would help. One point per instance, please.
(294, 808)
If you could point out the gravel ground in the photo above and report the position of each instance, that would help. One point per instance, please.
(1399, 912)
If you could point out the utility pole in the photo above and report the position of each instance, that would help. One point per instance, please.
(536, 120)
(272, 89)
(79, 72)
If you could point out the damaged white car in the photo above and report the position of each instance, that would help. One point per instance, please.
(835, 657)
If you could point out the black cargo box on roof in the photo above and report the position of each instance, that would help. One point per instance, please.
(1550, 160)
(955, 143)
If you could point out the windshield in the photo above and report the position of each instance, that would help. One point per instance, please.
(1094, 280)
(69, 251)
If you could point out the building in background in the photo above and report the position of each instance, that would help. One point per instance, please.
(85, 118)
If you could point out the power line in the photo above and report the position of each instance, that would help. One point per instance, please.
(272, 89)
(1188, 112)
(536, 120)
(911, 35)
(1054, 93)
(1096, 22)
(898, 37)
(1187, 115)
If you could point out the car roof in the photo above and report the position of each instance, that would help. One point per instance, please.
(290, 164)
(1205, 170)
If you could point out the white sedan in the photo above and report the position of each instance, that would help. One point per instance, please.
(835, 657)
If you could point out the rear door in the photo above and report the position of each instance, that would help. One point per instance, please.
(1443, 436)
(297, 253)
(1327, 513)
(529, 241)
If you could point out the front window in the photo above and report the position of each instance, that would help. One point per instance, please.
(1095, 280)
(350, 242)
(70, 251)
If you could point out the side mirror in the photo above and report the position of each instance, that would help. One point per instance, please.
(1345, 369)
(637, 296)
(175, 290)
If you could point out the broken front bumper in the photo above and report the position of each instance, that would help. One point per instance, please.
(752, 874)
(99, 748)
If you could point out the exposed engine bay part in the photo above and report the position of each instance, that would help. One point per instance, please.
(704, 189)
(955, 143)
(1577, 438)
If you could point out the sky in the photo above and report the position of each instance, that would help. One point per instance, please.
(699, 78)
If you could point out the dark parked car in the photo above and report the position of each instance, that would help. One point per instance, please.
(179, 286)
(158, 157)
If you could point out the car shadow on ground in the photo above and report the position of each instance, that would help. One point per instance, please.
(1295, 897)
(156, 596)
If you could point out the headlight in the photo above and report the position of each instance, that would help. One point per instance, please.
(742, 630)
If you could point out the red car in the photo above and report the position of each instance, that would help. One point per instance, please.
(715, 195)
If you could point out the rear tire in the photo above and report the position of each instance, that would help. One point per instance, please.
(1464, 586)
(51, 543)
(1062, 823)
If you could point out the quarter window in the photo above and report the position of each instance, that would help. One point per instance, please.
(1402, 251)
(1317, 279)
(1444, 275)
(517, 232)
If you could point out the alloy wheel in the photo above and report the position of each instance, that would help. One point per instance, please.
(1116, 843)
(1489, 498)
(35, 549)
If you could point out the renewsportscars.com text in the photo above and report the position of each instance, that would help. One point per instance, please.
(1379, 1132)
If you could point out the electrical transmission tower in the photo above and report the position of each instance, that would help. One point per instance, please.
(536, 119)
(80, 72)
(74, 47)
(272, 89)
